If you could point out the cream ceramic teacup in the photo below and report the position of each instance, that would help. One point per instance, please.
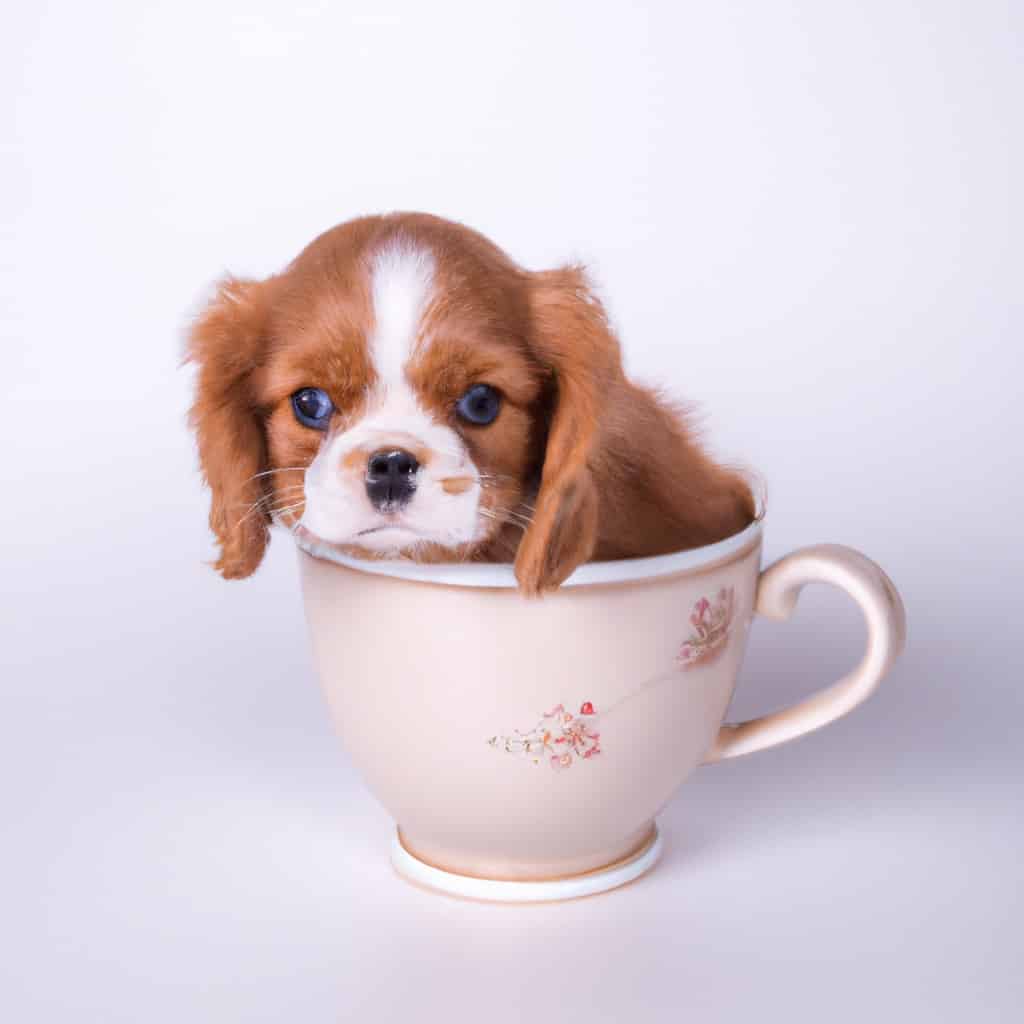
(525, 746)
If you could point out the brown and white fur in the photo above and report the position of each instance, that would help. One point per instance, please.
(395, 317)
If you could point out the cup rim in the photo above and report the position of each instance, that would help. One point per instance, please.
(500, 575)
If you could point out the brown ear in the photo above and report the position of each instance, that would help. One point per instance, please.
(571, 337)
(227, 343)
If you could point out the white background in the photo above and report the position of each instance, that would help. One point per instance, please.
(805, 216)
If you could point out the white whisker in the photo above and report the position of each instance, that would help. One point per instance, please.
(280, 469)
(278, 492)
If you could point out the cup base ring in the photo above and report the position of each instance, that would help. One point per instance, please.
(492, 890)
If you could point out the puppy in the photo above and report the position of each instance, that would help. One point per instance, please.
(403, 389)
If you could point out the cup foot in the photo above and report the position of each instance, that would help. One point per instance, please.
(494, 890)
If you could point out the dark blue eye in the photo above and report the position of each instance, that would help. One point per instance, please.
(479, 405)
(312, 407)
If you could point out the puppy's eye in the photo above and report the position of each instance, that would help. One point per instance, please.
(312, 407)
(479, 405)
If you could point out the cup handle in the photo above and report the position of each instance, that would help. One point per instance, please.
(778, 588)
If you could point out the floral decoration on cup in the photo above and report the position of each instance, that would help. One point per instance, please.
(560, 738)
(711, 622)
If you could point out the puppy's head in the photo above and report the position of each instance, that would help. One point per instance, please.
(402, 389)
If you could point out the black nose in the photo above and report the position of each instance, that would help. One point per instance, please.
(391, 478)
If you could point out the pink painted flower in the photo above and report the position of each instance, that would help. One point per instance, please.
(560, 736)
(712, 623)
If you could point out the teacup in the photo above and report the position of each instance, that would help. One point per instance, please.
(525, 746)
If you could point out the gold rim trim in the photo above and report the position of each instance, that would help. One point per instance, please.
(756, 527)
(634, 854)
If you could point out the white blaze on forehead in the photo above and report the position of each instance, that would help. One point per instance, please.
(402, 278)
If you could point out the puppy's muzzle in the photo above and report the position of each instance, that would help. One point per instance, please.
(391, 479)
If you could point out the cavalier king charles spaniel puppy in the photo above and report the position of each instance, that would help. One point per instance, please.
(404, 390)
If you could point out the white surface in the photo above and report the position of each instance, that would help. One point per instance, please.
(805, 216)
(470, 574)
(550, 891)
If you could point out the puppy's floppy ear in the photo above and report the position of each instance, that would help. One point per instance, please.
(572, 339)
(227, 343)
